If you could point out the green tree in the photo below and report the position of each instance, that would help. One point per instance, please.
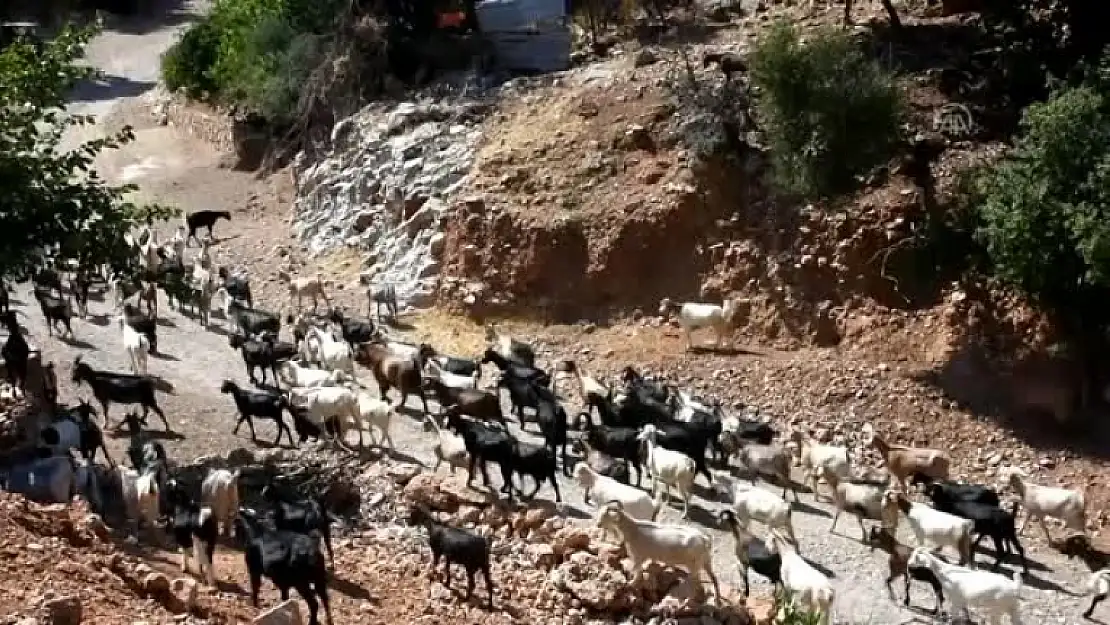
(1045, 216)
(829, 112)
(53, 201)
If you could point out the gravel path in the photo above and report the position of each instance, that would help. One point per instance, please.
(196, 360)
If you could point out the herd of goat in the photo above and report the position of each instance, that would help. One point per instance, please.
(639, 426)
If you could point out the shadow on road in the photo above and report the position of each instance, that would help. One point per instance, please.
(109, 88)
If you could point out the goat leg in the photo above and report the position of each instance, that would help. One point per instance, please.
(1097, 599)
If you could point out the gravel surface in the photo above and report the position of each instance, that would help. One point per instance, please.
(196, 360)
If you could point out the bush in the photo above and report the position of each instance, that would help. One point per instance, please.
(188, 64)
(829, 113)
(256, 54)
(1045, 208)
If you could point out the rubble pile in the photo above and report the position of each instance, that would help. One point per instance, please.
(60, 564)
(566, 567)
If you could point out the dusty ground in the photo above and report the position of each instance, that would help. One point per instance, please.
(822, 388)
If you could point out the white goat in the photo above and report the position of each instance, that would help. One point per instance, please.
(433, 370)
(800, 579)
(328, 402)
(929, 526)
(294, 374)
(818, 460)
(136, 345)
(451, 448)
(750, 502)
(302, 287)
(146, 498)
(672, 468)
(332, 355)
(220, 492)
(992, 593)
(674, 545)
(695, 316)
(375, 413)
(1047, 501)
(858, 498)
(605, 489)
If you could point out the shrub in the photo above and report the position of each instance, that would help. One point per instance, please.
(829, 113)
(188, 63)
(256, 54)
(1045, 208)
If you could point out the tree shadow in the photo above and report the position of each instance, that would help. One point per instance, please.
(166, 322)
(991, 554)
(109, 88)
(726, 350)
(972, 380)
(165, 356)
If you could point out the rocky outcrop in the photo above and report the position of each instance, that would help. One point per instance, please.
(386, 187)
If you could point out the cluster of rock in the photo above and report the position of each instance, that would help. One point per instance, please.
(557, 566)
(385, 188)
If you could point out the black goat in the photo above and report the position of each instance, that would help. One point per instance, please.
(552, 419)
(354, 330)
(752, 552)
(621, 443)
(79, 286)
(471, 402)
(452, 364)
(632, 378)
(120, 388)
(75, 429)
(5, 298)
(261, 404)
(147, 326)
(455, 546)
(50, 385)
(47, 279)
(523, 393)
(252, 321)
(289, 559)
(602, 463)
(537, 462)
(989, 520)
(192, 527)
(485, 444)
(300, 515)
(728, 62)
(265, 354)
(145, 456)
(203, 219)
(15, 352)
(958, 491)
(237, 286)
(515, 369)
(55, 310)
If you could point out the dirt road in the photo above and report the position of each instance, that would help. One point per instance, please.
(195, 361)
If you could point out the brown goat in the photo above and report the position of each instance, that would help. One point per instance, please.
(903, 461)
(393, 371)
(899, 565)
